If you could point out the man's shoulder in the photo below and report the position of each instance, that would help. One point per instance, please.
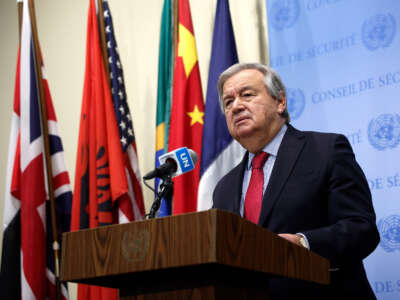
(323, 143)
(316, 135)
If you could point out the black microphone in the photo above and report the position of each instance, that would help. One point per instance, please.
(174, 163)
(168, 167)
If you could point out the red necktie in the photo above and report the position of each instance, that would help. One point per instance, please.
(254, 194)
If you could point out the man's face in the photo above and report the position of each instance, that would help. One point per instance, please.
(249, 110)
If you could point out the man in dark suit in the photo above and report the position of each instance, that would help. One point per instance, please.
(309, 188)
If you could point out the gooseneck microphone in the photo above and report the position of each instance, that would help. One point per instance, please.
(174, 163)
(170, 166)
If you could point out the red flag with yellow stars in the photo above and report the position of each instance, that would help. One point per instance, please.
(186, 125)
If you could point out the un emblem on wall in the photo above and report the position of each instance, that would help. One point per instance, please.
(378, 31)
(389, 229)
(284, 13)
(295, 102)
(384, 131)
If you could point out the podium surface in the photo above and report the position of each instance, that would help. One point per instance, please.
(204, 255)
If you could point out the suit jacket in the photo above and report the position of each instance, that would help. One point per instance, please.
(316, 188)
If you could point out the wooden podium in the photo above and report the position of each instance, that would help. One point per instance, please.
(207, 255)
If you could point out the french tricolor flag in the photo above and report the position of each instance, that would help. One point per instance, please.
(220, 153)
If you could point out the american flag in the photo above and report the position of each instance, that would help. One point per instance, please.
(28, 268)
(125, 126)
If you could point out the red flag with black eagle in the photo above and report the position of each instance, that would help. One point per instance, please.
(107, 188)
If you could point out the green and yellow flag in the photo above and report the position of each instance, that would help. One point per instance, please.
(164, 90)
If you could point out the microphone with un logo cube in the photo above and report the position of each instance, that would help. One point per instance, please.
(172, 164)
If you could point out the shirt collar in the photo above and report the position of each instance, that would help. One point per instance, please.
(272, 147)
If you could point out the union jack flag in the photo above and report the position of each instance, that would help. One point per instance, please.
(28, 268)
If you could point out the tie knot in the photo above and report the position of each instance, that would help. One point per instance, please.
(259, 160)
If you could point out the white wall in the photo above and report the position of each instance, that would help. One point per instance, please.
(62, 34)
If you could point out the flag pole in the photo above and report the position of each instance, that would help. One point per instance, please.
(103, 37)
(20, 4)
(49, 170)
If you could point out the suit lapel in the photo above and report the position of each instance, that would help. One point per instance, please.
(288, 153)
(234, 191)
